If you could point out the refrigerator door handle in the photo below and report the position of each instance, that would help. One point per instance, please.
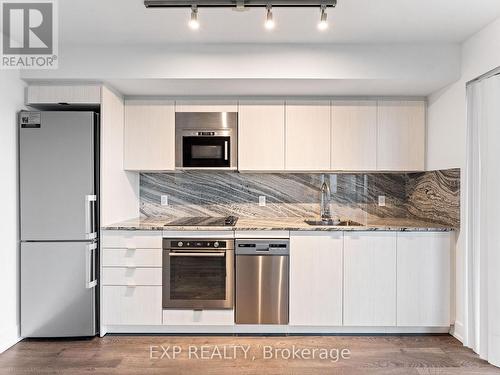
(90, 203)
(91, 279)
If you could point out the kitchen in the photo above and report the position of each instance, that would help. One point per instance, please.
(185, 216)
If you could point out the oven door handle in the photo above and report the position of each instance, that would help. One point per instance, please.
(197, 254)
(225, 150)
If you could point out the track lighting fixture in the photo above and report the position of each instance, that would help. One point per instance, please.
(269, 24)
(241, 5)
(193, 22)
(323, 23)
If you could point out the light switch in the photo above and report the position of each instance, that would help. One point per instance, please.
(262, 201)
(381, 200)
(164, 200)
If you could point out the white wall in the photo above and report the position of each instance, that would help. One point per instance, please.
(446, 140)
(11, 101)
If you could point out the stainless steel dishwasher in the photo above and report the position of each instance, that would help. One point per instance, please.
(262, 268)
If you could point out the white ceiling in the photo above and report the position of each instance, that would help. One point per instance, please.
(353, 21)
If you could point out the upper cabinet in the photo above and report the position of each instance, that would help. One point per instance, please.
(261, 140)
(206, 106)
(354, 135)
(307, 135)
(149, 135)
(401, 136)
(275, 135)
(40, 95)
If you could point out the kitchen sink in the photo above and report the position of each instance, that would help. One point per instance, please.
(336, 223)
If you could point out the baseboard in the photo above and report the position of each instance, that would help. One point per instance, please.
(9, 338)
(273, 329)
(457, 331)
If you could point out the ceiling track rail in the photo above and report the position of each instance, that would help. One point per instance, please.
(239, 3)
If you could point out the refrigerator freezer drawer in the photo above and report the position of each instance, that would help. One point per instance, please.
(57, 296)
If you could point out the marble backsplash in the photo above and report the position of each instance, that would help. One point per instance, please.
(433, 196)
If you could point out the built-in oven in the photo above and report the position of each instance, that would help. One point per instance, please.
(198, 273)
(206, 140)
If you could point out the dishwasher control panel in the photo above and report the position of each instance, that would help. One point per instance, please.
(263, 247)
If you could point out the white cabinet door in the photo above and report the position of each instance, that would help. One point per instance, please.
(149, 135)
(206, 106)
(316, 278)
(401, 136)
(354, 135)
(261, 139)
(370, 279)
(424, 279)
(308, 135)
(56, 94)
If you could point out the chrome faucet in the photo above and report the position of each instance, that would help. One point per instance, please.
(325, 211)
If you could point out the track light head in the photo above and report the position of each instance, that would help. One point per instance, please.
(269, 24)
(323, 23)
(193, 22)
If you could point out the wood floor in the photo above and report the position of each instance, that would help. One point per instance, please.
(429, 355)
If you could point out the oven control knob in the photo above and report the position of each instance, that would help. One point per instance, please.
(216, 244)
(180, 244)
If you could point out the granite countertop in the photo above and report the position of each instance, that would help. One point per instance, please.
(296, 224)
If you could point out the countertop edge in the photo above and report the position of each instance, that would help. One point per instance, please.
(370, 228)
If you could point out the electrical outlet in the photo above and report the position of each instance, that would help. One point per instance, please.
(381, 200)
(262, 201)
(164, 200)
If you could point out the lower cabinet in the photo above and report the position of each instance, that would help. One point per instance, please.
(370, 279)
(138, 305)
(131, 278)
(352, 279)
(316, 278)
(424, 279)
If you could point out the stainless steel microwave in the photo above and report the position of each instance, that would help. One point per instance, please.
(206, 140)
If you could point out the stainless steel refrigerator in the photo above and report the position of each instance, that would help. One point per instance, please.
(59, 185)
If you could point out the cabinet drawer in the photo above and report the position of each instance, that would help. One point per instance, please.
(131, 276)
(132, 257)
(196, 317)
(134, 306)
(131, 239)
